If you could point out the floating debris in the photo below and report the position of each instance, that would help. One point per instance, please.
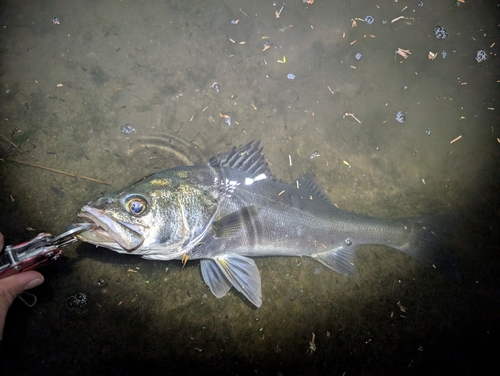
(384, 21)
(290, 76)
(215, 87)
(444, 55)
(358, 56)
(56, 21)
(227, 119)
(369, 20)
(440, 32)
(421, 4)
(235, 22)
(400, 117)
(428, 132)
(315, 155)
(432, 55)
(481, 56)
(127, 128)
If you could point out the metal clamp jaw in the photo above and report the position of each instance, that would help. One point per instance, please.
(42, 248)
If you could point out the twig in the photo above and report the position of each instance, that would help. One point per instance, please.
(9, 141)
(455, 139)
(57, 171)
(244, 13)
(354, 117)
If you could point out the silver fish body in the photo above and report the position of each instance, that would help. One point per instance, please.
(232, 209)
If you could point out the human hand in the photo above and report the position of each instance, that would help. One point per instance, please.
(12, 286)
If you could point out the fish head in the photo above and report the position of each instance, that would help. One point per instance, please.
(160, 217)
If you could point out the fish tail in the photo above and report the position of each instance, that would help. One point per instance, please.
(430, 243)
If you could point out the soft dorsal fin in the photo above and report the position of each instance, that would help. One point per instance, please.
(248, 158)
(308, 182)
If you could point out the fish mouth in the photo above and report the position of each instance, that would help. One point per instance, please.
(110, 232)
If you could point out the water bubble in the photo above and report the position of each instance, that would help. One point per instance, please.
(348, 241)
(400, 117)
(428, 132)
(77, 303)
(127, 128)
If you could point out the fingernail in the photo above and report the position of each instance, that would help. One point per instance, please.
(33, 283)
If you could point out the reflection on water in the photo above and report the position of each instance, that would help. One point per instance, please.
(68, 88)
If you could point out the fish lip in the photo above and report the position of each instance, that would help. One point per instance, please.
(110, 232)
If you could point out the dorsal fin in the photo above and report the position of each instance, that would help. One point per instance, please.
(308, 182)
(248, 158)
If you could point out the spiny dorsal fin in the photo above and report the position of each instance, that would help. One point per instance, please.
(248, 158)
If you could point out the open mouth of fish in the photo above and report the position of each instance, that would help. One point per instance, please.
(110, 232)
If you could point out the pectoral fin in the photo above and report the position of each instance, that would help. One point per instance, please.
(214, 278)
(231, 224)
(341, 260)
(240, 271)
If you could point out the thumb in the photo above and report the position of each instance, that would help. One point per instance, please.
(12, 286)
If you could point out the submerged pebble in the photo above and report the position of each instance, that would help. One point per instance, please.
(400, 117)
(127, 128)
(440, 32)
(481, 56)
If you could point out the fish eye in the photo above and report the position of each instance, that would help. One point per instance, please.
(136, 206)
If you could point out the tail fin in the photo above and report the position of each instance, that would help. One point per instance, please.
(430, 243)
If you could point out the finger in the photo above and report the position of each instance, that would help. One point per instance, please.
(12, 286)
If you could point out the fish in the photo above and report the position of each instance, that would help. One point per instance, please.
(233, 209)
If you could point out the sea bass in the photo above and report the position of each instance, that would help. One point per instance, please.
(232, 209)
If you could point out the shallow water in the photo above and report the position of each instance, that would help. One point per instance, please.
(152, 65)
